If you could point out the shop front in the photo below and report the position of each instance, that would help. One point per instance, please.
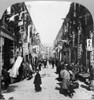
(6, 49)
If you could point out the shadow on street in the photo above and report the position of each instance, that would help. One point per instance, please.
(92, 97)
(60, 90)
(86, 87)
(10, 89)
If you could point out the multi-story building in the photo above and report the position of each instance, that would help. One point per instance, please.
(77, 29)
(17, 28)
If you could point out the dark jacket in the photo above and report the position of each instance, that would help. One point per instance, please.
(37, 79)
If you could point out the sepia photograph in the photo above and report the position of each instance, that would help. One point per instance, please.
(46, 49)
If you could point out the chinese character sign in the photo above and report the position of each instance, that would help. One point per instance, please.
(89, 44)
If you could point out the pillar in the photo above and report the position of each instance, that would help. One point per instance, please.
(1, 64)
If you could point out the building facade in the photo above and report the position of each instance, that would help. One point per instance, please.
(77, 28)
(16, 36)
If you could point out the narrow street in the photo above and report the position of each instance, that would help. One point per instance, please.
(32, 33)
(24, 90)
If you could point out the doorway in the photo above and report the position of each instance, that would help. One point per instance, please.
(7, 53)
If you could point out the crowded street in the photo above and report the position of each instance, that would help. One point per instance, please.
(24, 90)
(46, 51)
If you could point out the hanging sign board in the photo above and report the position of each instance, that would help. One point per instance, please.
(20, 23)
(89, 44)
(37, 49)
(80, 51)
(25, 48)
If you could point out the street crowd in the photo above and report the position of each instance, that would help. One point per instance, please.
(25, 71)
(68, 74)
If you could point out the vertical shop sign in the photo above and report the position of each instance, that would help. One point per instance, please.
(89, 44)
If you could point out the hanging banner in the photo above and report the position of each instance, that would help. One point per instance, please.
(20, 23)
(92, 57)
(25, 48)
(80, 50)
(35, 49)
(89, 44)
(14, 70)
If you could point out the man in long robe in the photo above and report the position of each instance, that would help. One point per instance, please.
(37, 81)
(65, 75)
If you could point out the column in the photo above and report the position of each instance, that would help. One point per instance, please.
(1, 63)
